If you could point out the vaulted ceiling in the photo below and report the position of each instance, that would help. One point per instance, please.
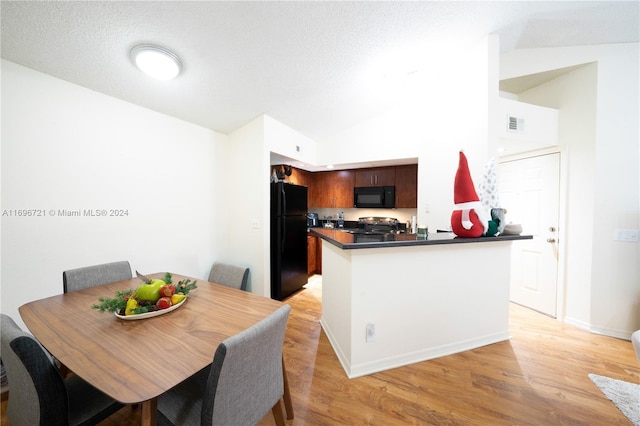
(311, 65)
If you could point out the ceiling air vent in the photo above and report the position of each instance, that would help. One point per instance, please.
(515, 124)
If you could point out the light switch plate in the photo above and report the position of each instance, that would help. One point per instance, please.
(630, 235)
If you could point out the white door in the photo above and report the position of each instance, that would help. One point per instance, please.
(530, 191)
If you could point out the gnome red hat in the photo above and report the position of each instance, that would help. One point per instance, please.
(463, 189)
(468, 219)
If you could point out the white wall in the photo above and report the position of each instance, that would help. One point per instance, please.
(447, 110)
(599, 108)
(285, 141)
(68, 148)
(539, 129)
(616, 272)
(575, 95)
(246, 235)
(246, 224)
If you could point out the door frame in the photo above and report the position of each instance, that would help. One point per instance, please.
(563, 151)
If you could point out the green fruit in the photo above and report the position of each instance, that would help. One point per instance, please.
(150, 292)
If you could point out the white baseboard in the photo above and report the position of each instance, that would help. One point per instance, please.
(612, 332)
(424, 355)
(388, 363)
(605, 331)
(577, 323)
(342, 357)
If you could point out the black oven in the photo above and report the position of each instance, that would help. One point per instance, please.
(374, 197)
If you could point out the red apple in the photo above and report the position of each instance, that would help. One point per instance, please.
(164, 303)
(167, 290)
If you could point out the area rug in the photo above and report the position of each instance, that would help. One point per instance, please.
(625, 395)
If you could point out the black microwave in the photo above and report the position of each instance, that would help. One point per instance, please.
(374, 197)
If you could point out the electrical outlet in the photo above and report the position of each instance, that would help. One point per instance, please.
(371, 333)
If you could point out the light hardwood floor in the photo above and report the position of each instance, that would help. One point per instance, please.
(539, 377)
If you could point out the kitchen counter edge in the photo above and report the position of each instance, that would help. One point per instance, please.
(344, 240)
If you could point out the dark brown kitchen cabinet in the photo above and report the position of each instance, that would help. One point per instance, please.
(382, 176)
(314, 255)
(407, 186)
(300, 177)
(318, 255)
(297, 177)
(332, 189)
(312, 245)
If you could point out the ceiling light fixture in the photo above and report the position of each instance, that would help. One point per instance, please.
(156, 61)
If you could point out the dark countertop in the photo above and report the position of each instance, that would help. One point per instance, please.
(348, 241)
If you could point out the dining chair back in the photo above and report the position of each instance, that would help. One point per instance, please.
(242, 384)
(229, 275)
(237, 277)
(38, 394)
(91, 276)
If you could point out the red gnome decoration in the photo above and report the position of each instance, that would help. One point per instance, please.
(468, 219)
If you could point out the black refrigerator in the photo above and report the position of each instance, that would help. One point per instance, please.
(288, 239)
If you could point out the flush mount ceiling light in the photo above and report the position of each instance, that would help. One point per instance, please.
(156, 61)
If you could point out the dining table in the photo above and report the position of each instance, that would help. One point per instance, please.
(135, 360)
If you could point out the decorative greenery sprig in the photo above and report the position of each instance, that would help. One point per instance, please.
(185, 286)
(116, 304)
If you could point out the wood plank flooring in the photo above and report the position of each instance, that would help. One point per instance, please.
(539, 377)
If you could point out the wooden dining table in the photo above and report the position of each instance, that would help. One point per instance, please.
(136, 361)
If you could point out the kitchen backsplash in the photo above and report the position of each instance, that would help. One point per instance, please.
(403, 215)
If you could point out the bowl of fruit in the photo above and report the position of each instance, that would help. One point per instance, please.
(152, 298)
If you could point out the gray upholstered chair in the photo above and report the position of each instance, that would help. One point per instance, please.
(229, 275)
(91, 276)
(237, 277)
(38, 394)
(242, 384)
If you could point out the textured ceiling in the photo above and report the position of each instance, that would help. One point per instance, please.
(311, 65)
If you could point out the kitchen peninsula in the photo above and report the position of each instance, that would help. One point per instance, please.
(395, 299)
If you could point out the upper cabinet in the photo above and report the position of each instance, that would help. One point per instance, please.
(301, 177)
(407, 186)
(381, 176)
(404, 178)
(332, 189)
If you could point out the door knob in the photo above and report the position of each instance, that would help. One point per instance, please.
(551, 240)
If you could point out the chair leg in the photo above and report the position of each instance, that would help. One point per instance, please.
(278, 415)
(288, 405)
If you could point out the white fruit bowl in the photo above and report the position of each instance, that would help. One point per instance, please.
(151, 314)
